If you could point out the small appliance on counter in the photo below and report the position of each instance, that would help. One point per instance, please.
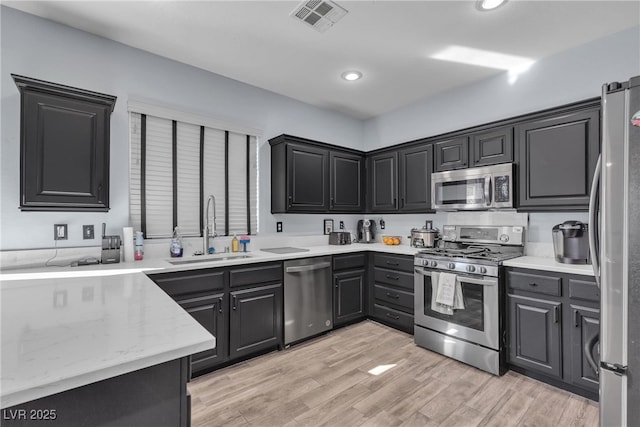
(426, 237)
(571, 242)
(110, 247)
(339, 238)
(367, 231)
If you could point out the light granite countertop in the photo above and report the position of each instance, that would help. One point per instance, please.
(549, 264)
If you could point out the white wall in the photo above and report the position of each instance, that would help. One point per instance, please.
(45, 50)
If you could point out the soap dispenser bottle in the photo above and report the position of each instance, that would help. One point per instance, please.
(176, 244)
(235, 244)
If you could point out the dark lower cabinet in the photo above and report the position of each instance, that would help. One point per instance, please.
(554, 328)
(557, 160)
(391, 291)
(210, 312)
(534, 334)
(64, 147)
(255, 320)
(348, 296)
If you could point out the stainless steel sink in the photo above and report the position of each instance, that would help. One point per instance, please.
(212, 258)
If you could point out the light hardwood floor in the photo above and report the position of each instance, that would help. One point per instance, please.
(327, 382)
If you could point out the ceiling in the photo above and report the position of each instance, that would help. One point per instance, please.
(390, 42)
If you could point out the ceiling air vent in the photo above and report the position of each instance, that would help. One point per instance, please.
(319, 14)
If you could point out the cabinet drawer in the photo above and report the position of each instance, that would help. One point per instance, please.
(255, 275)
(394, 296)
(389, 315)
(190, 282)
(584, 289)
(394, 262)
(344, 262)
(548, 285)
(395, 278)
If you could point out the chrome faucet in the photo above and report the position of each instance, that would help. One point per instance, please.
(206, 232)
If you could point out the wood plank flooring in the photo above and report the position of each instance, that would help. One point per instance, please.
(327, 382)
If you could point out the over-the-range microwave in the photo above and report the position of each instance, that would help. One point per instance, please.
(483, 188)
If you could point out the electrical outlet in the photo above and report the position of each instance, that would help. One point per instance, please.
(87, 232)
(381, 224)
(341, 225)
(279, 227)
(60, 232)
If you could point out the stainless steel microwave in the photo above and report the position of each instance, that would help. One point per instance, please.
(483, 188)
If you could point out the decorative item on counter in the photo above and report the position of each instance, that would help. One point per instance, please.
(243, 241)
(176, 244)
(391, 240)
(235, 244)
(110, 247)
(139, 251)
(127, 240)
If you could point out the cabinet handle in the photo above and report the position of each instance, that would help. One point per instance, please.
(395, 202)
(394, 296)
(392, 277)
(290, 201)
(332, 202)
(576, 318)
(234, 304)
(391, 316)
(533, 284)
(555, 314)
(392, 263)
(220, 305)
(99, 193)
(402, 203)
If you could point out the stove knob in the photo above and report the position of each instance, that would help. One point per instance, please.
(451, 266)
(433, 264)
(471, 268)
(483, 270)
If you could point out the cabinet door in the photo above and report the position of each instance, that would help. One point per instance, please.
(348, 296)
(557, 159)
(383, 186)
(451, 154)
(255, 320)
(492, 147)
(346, 182)
(209, 312)
(534, 335)
(415, 168)
(64, 152)
(584, 341)
(307, 178)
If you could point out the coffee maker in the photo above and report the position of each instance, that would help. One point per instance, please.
(367, 231)
(571, 242)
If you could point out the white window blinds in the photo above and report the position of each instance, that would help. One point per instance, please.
(174, 168)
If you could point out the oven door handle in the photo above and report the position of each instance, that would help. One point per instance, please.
(492, 281)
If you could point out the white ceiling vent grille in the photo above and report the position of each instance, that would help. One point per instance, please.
(319, 14)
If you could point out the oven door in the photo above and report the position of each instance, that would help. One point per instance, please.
(477, 323)
(455, 192)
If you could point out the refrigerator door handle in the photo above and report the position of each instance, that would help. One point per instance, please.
(594, 228)
(616, 368)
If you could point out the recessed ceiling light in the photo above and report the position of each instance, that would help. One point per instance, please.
(485, 5)
(352, 75)
(484, 58)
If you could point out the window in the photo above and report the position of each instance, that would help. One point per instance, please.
(177, 164)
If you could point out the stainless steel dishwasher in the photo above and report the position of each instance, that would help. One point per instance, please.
(308, 298)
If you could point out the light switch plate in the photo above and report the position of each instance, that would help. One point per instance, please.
(87, 232)
(279, 227)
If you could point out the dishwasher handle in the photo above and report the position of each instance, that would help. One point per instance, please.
(311, 267)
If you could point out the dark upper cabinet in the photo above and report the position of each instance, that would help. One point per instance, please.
(492, 147)
(414, 178)
(310, 176)
(346, 182)
(451, 154)
(255, 320)
(64, 147)
(308, 173)
(209, 311)
(557, 159)
(534, 334)
(382, 183)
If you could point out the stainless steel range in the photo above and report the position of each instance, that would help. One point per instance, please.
(459, 296)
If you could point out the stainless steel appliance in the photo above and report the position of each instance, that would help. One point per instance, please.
(483, 188)
(308, 298)
(426, 237)
(474, 254)
(615, 243)
(571, 242)
(339, 238)
(367, 231)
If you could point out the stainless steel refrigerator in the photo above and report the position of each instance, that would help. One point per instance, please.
(615, 247)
